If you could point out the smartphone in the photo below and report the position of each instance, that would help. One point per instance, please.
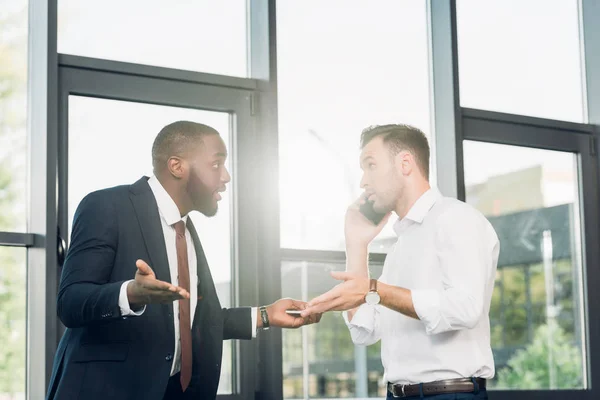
(295, 313)
(367, 210)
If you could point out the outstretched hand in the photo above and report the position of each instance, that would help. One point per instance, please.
(345, 296)
(146, 289)
(280, 318)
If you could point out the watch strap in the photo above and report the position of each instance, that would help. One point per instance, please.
(373, 285)
(264, 317)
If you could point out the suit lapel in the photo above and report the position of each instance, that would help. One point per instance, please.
(146, 211)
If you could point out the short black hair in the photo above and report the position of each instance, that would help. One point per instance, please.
(401, 137)
(176, 139)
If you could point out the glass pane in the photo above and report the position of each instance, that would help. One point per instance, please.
(13, 115)
(538, 337)
(320, 361)
(13, 312)
(521, 57)
(339, 72)
(202, 35)
(95, 138)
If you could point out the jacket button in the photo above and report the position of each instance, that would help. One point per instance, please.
(169, 357)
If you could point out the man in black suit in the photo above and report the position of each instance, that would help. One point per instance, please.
(158, 335)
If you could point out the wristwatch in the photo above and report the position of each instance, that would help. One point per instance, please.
(372, 297)
(264, 318)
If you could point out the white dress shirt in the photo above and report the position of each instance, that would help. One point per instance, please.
(169, 215)
(446, 255)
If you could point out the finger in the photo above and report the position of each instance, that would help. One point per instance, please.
(181, 294)
(143, 267)
(341, 276)
(153, 284)
(161, 286)
(333, 305)
(324, 298)
(318, 304)
(297, 305)
(360, 201)
(315, 318)
(178, 291)
(170, 296)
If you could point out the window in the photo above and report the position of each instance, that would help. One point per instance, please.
(207, 36)
(320, 361)
(521, 57)
(13, 115)
(13, 200)
(110, 144)
(537, 333)
(13, 311)
(338, 73)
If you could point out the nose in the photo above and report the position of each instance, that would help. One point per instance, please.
(225, 177)
(363, 181)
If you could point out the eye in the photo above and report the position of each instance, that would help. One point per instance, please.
(371, 166)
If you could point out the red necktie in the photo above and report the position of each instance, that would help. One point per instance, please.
(185, 329)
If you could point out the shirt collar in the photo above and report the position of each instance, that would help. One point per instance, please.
(420, 209)
(166, 205)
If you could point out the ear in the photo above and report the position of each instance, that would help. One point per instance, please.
(177, 167)
(405, 162)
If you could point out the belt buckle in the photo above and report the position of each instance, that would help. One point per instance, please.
(399, 395)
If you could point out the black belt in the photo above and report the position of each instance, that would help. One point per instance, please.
(460, 385)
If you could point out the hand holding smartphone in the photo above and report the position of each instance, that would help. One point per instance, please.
(369, 212)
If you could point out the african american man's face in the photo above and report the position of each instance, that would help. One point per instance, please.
(208, 175)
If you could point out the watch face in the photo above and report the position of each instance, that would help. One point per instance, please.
(372, 298)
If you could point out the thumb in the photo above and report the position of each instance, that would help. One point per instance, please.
(143, 267)
(341, 276)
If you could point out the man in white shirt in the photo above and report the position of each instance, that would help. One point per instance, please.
(141, 332)
(430, 307)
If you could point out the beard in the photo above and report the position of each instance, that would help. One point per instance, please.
(382, 206)
(388, 200)
(201, 195)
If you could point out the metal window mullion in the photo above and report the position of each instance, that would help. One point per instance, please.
(42, 276)
(445, 97)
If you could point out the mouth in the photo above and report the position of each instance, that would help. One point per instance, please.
(217, 194)
(370, 196)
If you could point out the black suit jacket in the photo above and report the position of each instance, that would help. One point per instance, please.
(103, 355)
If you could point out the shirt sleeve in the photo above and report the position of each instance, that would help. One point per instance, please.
(364, 326)
(126, 310)
(254, 321)
(467, 253)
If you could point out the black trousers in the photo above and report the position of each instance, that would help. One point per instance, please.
(174, 391)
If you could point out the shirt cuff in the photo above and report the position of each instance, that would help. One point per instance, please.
(363, 318)
(254, 321)
(126, 310)
(427, 306)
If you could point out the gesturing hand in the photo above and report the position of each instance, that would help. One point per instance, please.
(146, 289)
(345, 296)
(279, 317)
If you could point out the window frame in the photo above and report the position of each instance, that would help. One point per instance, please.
(45, 111)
